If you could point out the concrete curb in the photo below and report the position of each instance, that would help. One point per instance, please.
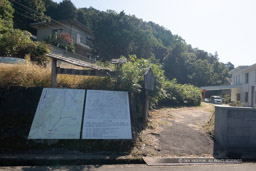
(65, 159)
(81, 159)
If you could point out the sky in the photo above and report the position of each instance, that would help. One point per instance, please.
(225, 26)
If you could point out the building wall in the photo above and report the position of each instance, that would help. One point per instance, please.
(83, 35)
(235, 127)
(78, 35)
(239, 78)
(247, 88)
(43, 32)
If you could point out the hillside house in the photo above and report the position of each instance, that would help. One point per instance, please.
(81, 35)
(245, 78)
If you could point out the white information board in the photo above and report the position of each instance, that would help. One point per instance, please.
(59, 114)
(107, 115)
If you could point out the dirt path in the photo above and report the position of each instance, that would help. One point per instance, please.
(176, 132)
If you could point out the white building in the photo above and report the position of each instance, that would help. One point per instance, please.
(242, 87)
(244, 78)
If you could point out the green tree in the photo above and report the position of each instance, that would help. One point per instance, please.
(201, 73)
(6, 16)
(230, 66)
(65, 10)
(27, 12)
(17, 43)
(51, 8)
(220, 73)
(175, 65)
(14, 43)
(117, 34)
(81, 17)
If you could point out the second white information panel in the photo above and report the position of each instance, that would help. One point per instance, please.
(107, 115)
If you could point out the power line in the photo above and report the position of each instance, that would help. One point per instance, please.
(47, 16)
(37, 13)
(47, 25)
(32, 19)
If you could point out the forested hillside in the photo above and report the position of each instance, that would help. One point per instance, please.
(119, 34)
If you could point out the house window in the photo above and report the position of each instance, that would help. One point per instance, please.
(246, 77)
(246, 97)
(238, 79)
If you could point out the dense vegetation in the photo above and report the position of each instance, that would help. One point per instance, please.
(131, 77)
(121, 34)
(117, 34)
(16, 42)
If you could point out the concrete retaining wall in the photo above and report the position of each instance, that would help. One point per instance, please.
(235, 127)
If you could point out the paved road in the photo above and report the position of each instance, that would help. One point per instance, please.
(184, 136)
(141, 167)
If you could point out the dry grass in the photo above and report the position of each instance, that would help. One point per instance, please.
(31, 75)
(147, 143)
(26, 75)
(208, 127)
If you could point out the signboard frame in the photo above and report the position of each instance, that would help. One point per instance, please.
(47, 124)
(107, 121)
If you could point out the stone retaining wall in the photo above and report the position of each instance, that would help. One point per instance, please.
(235, 127)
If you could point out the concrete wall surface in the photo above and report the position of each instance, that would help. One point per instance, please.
(235, 127)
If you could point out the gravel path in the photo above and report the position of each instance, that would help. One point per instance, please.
(184, 135)
(177, 132)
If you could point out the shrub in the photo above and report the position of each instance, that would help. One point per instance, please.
(227, 98)
(62, 40)
(17, 43)
(130, 77)
(38, 51)
(192, 95)
(178, 94)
